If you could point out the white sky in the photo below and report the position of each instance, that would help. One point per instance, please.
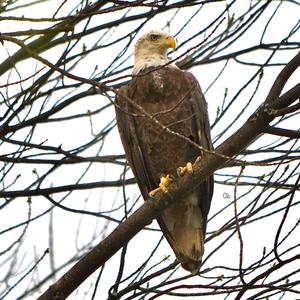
(260, 233)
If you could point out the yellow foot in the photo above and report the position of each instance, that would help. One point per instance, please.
(163, 185)
(188, 169)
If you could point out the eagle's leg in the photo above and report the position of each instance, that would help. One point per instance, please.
(163, 185)
(187, 169)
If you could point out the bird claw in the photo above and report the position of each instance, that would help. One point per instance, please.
(163, 185)
(187, 169)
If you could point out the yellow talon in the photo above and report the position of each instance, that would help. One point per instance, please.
(163, 185)
(188, 169)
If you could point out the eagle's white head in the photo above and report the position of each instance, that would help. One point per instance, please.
(151, 50)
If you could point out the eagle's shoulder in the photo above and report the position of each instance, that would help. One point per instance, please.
(121, 94)
(196, 90)
(153, 82)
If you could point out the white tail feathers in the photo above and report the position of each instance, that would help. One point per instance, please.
(185, 224)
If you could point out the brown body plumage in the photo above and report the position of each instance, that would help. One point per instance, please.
(175, 99)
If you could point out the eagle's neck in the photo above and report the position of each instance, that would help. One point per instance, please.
(145, 59)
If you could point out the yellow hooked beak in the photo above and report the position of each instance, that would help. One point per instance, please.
(170, 42)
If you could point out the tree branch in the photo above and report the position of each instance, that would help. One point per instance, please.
(243, 137)
(65, 188)
(282, 132)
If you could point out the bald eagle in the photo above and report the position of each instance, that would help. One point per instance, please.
(174, 98)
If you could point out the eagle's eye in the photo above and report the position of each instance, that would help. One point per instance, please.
(154, 37)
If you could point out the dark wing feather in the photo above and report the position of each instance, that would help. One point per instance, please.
(130, 140)
(204, 140)
(176, 100)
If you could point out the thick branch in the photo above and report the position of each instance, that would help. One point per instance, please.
(255, 126)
